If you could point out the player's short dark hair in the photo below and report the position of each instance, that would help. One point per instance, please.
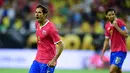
(44, 9)
(110, 9)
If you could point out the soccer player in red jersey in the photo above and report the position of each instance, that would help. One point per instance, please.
(116, 31)
(47, 38)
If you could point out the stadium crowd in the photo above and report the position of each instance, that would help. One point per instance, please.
(80, 22)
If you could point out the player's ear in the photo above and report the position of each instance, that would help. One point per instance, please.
(115, 15)
(45, 15)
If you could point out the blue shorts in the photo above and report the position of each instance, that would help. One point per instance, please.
(117, 58)
(37, 67)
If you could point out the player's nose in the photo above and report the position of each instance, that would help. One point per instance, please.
(111, 16)
(36, 15)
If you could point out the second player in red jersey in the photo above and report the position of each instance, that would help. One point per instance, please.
(118, 42)
(115, 35)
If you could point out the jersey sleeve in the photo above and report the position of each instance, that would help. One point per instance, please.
(121, 23)
(107, 35)
(55, 36)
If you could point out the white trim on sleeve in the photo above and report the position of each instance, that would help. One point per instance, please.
(106, 36)
(57, 42)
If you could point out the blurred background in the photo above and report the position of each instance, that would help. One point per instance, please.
(80, 24)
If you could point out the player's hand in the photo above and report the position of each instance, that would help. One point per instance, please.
(102, 56)
(115, 23)
(52, 63)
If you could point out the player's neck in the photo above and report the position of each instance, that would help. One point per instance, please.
(113, 20)
(42, 22)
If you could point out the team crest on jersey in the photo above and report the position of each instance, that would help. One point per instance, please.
(118, 59)
(44, 32)
(110, 29)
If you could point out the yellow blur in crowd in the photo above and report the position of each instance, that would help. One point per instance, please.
(73, 42)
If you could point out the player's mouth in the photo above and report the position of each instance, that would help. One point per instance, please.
(37, 17)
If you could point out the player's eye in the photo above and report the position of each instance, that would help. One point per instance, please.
(112, 14)
(39, 12)
(35, 12)
(109, 14)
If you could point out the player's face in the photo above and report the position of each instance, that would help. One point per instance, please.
(39, 15)
(111, 15)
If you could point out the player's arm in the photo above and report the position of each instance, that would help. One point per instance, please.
(52, 63)
(60, 47)
(105, 45)
(59, 50)
(123, 30)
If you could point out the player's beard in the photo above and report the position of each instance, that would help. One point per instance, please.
(41, 21)
(38, 19)
(111, 19)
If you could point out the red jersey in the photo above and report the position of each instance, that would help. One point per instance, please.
(117, 41)
(47, 37)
